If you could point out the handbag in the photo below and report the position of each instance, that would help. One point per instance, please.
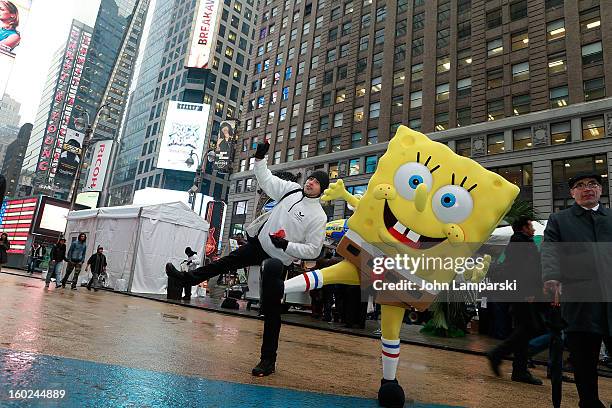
(255, 227)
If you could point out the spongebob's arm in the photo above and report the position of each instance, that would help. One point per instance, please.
(336, 191)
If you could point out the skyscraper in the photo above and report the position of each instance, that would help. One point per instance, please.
(14, 159)
(163, 78)
(522, 87)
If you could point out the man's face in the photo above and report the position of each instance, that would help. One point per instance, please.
(100, 250)
(312, 188)
(528, 229)
(586, 192)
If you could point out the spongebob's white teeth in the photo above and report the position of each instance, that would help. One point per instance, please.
(413, 236)
(400, 228)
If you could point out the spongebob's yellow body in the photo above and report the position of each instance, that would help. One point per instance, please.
(423, 200)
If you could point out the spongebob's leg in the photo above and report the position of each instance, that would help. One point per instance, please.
(391, 393)
(343, 272)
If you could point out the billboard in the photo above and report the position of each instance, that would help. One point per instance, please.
(70, 158)
(224, 146)
(16, 221)
(184, 132)
(70, 74)
(14, 16)
(204, 34)
(99, 165)
(50, 218)
(215, 215)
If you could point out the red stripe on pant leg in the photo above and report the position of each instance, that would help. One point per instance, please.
(305, 275)
(390, 355)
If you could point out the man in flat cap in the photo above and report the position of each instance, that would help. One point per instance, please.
(577, 269)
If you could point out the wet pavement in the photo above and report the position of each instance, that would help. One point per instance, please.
(107, 349)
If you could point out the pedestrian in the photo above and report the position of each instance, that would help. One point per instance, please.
(191, 263)
(97, 263)
(523, 263)
(37, 253)
(5, 245)
(293, 230)
(576, 259)
(58, 256)
(76, 257)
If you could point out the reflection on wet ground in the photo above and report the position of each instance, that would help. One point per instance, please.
(110, 347)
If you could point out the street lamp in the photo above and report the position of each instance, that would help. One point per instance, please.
(86, 142)
(197, 180)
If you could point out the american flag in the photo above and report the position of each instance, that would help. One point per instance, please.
(16, 221)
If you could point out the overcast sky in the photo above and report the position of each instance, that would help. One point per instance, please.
(45, 30)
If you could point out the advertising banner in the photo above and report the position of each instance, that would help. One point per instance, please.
(204, 34)
(14, 16)
(71, 154)
(224, 146)
(16, 218)
(215, 215)
(184, 132)
(99, 165)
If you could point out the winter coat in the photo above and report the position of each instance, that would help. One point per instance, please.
(4, 247)
(58, 252)
(39, 252)
(97, 263)
(76, 253)
(577, 251)
(302, 218)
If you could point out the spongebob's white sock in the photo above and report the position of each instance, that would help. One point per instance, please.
(304, 282)
(390, 357)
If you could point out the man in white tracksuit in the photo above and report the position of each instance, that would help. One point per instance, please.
(299, 214)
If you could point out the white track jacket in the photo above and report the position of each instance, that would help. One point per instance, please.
(302, 218)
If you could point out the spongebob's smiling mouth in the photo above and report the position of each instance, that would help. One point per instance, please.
(405, 235)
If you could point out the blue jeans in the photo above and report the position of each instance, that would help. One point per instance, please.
(541, 343)
(55, 268)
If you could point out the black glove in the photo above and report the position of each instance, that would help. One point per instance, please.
(262, 150)
(279, 242)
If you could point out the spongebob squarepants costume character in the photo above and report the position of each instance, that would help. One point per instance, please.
(422, 199)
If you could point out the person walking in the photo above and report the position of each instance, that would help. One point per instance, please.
(5, 245)
(76, 257)
(576, 259)
(294, 229)
(522, 262)
(58, 256)
(97, 263)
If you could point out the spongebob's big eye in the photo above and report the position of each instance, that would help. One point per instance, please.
(409, 177)
(452, 204)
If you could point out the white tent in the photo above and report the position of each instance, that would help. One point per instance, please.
(139, 240)
(501, 235)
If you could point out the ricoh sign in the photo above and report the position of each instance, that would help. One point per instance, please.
(99, 165)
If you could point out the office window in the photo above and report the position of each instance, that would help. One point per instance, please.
(495, 109)
(520, 72)
(338, 119)
(443, 12)
(553, 4)
(443, 38)
(376, 85)
(377, 61)
(304, 151)
(336, 144)
(495, 143)
(594, 89)
(362, 64)
(356, 139)
(464, 117)
(415, 124)
(331, 55)
(521, 139)
(344, 50)
(306, 128)
(521, 104)
(397, 104)
(417, 47)
(555, 30)
(398, 78)
(464, 58)
(443, 64)
(379, 36)
(559, 96)
(322, 147)
(354, 167)
(494, 18)
(296, 110)
(290, 154)
(401, 28)
(328, 77)
(312, 83)
(560, 132)
(416, 72)
(442, 93)
(335, 14)
(464, 87)
(463, 147)
(418, 21)
(280, 135)
(518, 10)
(283, 114)
(370, 164)
(372, 136)
(592, 53)
(381, 14)
(333, 171)
(309, 105)
(590, 19)
(495, 47)
(324, 123)
(400, 53)
(342, 72)
(557, 63)
(358, 114)
(292, 132)
(346, 28)
(366, 20)
(441, 121)
(520, 40)
(360, 90)
(277, 157)
(416, 99)
(326, 99)
(374, 110)
(593, 128)
(495, 78)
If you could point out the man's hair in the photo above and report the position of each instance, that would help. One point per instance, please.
(519, 223)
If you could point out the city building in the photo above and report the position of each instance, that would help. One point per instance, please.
(90, 68)
(9, 123)
(164, 78)
(522, 87)
(14, 159)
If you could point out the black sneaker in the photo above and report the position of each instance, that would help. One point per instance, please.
(494, 363)
(526, 377)
(264, 368)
